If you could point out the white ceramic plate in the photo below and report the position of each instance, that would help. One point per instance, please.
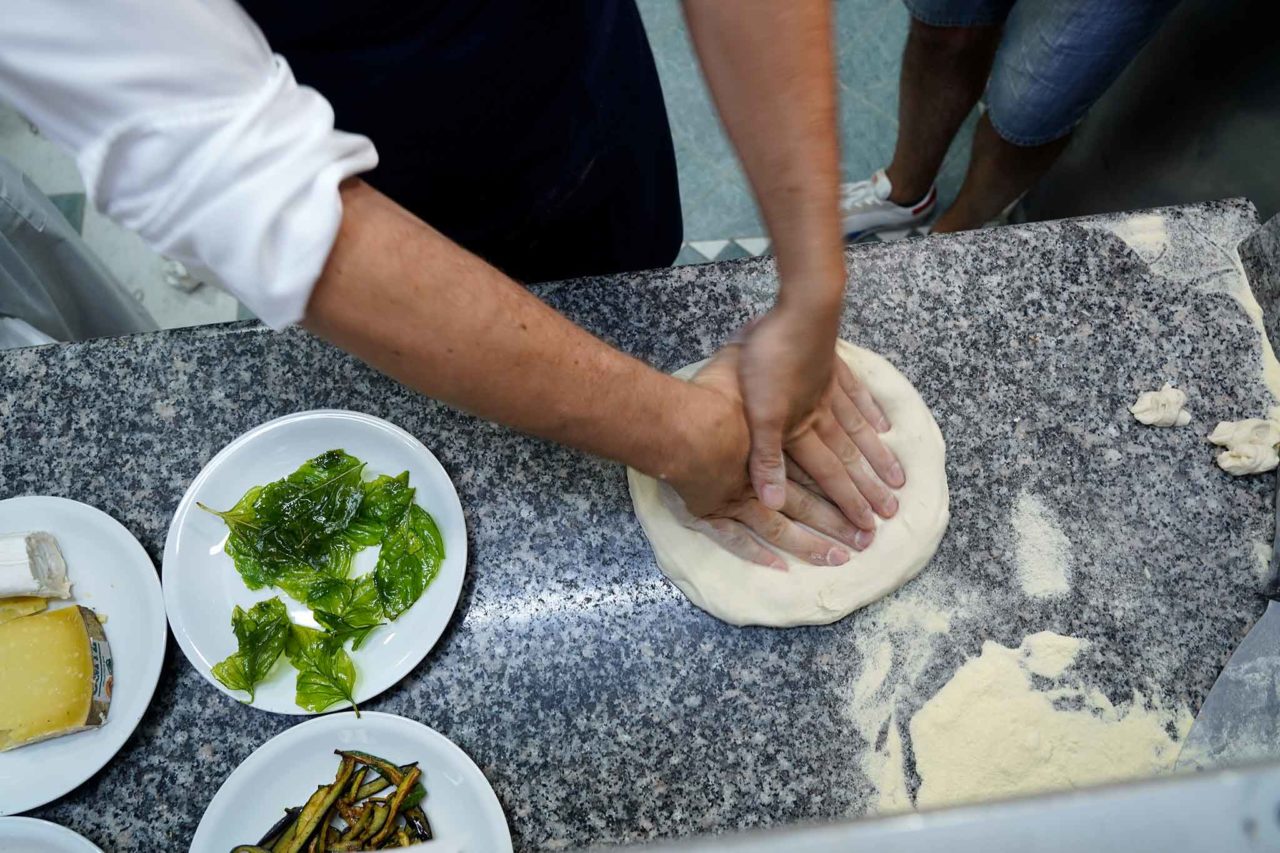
(110, 574)
(461, 806)
(26, 835)
(201, 585)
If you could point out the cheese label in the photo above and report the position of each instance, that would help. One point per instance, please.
(103, 666)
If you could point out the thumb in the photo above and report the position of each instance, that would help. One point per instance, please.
(768, 471)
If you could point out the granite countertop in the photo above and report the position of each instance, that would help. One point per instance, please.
(603, 706)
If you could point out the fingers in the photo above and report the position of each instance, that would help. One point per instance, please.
(868, 442)
(725, 532)
(800, 476)
(811, 510)
(768, 473)
(803, 530)
(781, 532)
(864, 478)
(735, 538)
(861, 396)
(831, 475)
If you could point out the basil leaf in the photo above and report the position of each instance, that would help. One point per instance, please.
(385, 500)
(348, 609)
(304, 510)
(244, 539)
(260, 636)
(293, 523)
(326, 675)
(410, 559)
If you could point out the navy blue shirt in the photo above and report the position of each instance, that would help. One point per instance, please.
(534, 133)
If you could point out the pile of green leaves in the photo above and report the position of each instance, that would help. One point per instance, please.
(300, 535)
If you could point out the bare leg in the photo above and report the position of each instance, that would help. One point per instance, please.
(944, 70)
(999, 172)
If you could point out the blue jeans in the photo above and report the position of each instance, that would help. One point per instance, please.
(1056, 57)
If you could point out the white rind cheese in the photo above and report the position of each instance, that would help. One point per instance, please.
(32, 564)
(56, 676)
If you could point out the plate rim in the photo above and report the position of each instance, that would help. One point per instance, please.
(346, 717)
(47, 825)
(184, 641)
(151, 680)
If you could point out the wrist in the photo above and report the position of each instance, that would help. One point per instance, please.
(814, 319)
(707, 432)
(817, 296)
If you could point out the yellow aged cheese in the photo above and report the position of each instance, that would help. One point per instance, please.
(21, 605)
(55, 676)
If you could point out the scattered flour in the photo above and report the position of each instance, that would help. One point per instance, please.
(1262, 551)
(1148, 235)
(990, 733)
(1043, 550)
(894, 651)
(1048, 655)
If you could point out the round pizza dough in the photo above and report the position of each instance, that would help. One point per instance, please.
(744, 593)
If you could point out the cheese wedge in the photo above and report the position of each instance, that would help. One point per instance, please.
(32, 564)
(55, 676)
(23, 605)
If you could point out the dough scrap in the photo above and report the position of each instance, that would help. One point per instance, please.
(1251, 444)
(1163, 408)
(743, 593)
(990, 733)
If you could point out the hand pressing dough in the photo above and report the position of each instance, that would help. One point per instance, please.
(1251, 444)
(1163, 408)
(743, 593)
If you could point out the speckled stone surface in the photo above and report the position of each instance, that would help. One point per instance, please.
(602, 705)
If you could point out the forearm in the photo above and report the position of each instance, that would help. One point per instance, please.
(771, 72)
(402, 297)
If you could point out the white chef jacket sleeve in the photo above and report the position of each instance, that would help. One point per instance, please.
(188, 130)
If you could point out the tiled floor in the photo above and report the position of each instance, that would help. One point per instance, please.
(721, 221)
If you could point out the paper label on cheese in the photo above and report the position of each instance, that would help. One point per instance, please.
(103, 669)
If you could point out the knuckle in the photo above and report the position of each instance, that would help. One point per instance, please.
(852, 457)
(767, 456)
(855, 420)
(773, 527)
(802, 502)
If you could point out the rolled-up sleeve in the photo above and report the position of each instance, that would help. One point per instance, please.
(188, 130)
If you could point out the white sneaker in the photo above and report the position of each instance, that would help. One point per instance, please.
(867, 210)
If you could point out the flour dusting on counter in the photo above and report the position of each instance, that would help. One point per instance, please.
(1043, 551)
(894, 652)
(1149, 236)
(991, 732)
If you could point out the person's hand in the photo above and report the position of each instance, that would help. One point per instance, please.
(713, 494)
(833, 437)
(785, 369)
(838, 451)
